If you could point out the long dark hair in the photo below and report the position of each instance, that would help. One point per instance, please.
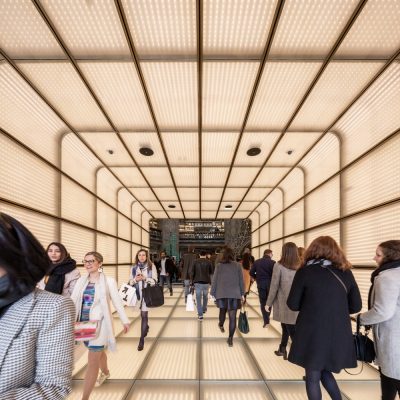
(246, 261)
(63, 250)
(326, 247)
(290, 256)
(227, 255)
(21, 255)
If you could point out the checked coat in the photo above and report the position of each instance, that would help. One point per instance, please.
(36, 347)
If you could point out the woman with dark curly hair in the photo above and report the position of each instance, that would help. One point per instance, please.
(36, 341)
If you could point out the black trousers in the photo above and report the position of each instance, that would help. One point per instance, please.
(263, 295)
(390, 387)
(287, 330)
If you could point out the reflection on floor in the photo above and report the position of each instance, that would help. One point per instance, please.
(185, 359)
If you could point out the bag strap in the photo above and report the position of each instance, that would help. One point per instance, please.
(341, 282)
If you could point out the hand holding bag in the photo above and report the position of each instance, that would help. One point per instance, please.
(365, 349)
(153, 296)
(128, 294)
(243, 323)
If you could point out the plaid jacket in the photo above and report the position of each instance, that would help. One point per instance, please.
(36, 348)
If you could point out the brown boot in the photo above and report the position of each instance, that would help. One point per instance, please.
(281, 352)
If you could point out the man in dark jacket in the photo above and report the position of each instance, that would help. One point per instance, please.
(187, 263)
(261, 272)
(200, 276)
(165, 269)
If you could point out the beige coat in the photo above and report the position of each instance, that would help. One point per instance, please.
(281, 283)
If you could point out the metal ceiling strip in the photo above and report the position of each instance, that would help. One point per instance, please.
(199, 18)
(273, 28)
(136, 61)
(74, 63)
(37, 91)
(327, 60)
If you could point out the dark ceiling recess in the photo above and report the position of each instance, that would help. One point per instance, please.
(228, 206)
(254, 151)
(146, 151)
(171, 206)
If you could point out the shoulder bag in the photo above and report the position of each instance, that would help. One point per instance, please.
(153, 296)
(86, 330)
(243, 322)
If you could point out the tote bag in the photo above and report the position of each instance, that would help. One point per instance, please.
(153, 296)
(189, 303)
(86, 330)
(128, 294)
(243, 323)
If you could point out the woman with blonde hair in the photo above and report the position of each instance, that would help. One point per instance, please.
(282, 278)
(92, 295)
(143, 273)
(324, 292)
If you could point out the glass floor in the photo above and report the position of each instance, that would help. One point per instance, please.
(185, 359)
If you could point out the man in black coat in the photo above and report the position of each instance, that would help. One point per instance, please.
(187, 262)
(165, 269)
(261, 272)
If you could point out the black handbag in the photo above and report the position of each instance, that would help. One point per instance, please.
(243, 322)
(153, 296)
(365, 349)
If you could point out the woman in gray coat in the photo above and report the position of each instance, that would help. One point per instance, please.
(36, 340)
(282, 278)
(384, 316)
(228, 289)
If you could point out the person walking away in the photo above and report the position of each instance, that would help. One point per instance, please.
(246, 266)
(261, 272)
(92, 296)
(200, 277)
(143, 273)
(187, 264)
(165, 270)
(324, 292)
(36, 326)
(63, 273)
(282, 278)
(228, 289)
(384, 316)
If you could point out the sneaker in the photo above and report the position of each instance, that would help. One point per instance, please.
(101, 378)
(200, 318)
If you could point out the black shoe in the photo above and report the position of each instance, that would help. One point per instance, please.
(221, 328)
(281, 352)
(265, 324)
(141, 344)
(171, 293)
(230, 342)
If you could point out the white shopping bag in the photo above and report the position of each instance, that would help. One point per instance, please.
(128, 295)
(189, 303)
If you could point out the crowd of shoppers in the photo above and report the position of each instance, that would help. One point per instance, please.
(311, 292)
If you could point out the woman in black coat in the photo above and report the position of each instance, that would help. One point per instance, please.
(324, 292)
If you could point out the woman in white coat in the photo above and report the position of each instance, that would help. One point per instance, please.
(384, 316)
(143, 273)
(91, 296)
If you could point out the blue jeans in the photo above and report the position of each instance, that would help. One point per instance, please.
(166, 279)
(201, 292)
(186, 282)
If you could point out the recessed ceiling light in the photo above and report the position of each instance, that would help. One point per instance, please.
(228, 206)
(110, 151)
(289, 152)
(254, 151)
(146, 151)
(171, 206)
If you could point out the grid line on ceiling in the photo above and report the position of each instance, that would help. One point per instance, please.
(199, 21)
(74, 63)
(327, 130)
(272, 31)
(128, 35)
(317, 77)
(67, 124)
(337, 173)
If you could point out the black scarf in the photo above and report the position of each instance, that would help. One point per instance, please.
(383, 267)
(9, 295)
(55, 284)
